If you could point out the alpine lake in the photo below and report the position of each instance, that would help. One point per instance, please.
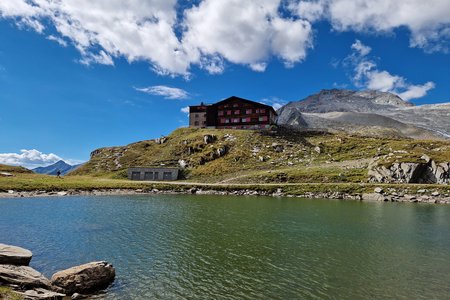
(235, 247)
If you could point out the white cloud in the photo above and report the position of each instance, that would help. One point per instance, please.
(185, 110)
(165, 91)
(29, 158)
(207, 34)
(362, 49)
(275, 102)
(367, 75)
(59, 40)
(428, 21)
(245, 32)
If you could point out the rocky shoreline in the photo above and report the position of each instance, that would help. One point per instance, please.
(77, 282)
(378, 195)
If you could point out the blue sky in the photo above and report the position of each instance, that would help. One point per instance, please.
(71, 82)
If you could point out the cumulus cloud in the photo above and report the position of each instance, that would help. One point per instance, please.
(206, 34)
(29, 158)
(428, 21)
(367, 75)
(185, 110)
(165, 91)
(275, 102)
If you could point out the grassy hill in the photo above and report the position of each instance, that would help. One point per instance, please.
(244, 156)
(14, 169)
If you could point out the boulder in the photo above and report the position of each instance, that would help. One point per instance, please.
(22, 276)
(221, 151)
(84, 278)
(183, 164)
(6, 174)
(405, 172)
(42, 294)
(12, 255)
(378, 190)
(208, 138)
(372, 197)
(161, 140)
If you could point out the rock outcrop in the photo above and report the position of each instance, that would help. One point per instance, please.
(23, 277)
(428, 172)
(12, 255)
(371, 112)
(41, 294)
(84, 278)
(30, 284)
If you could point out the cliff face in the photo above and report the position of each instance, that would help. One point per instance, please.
(367, 112)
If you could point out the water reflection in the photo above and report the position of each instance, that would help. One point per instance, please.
(186, 247)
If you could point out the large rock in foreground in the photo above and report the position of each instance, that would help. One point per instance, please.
(12, 255)
(84, 279)
(426, 172)
(22, 276)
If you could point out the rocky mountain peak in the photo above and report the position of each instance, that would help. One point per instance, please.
(360, 111)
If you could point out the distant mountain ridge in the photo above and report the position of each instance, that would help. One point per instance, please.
(373, 112)
(53, 169)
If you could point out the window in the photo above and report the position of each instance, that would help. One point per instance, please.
(262, 111)
(148, 176)
(244, 120)
(236, 120)
(263, 119)
(236, 112)
(220, 112)
(196, 116)
(228, 112)
(257, 111)
(167, 175)
(235, 105)
(196, 123)
(248, 111)
(227, 120)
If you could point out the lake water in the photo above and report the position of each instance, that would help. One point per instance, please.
(218, 247)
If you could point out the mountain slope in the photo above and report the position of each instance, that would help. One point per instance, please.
(367, 112)
(282, 155)
(53, 169)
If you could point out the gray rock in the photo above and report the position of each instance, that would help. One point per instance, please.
(435, 194)
(355, 112)
(6, 174)
(318, 149)
(161, 140)
(23, 276)
(208, 138)
(12, 255)
(221, 151)
(84, 278)
(429, 172)
(42, 294)
(372, 197)
(378, 190)
(183, 164)
(78, 296)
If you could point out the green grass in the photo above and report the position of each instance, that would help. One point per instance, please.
(342, 160)
(27, 182)
(13, 169)
(8, 294)
(297, 160)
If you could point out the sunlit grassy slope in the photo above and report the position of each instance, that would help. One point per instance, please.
(262, 157)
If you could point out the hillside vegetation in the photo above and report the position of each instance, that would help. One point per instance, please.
(14, 170)
(245, 156)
